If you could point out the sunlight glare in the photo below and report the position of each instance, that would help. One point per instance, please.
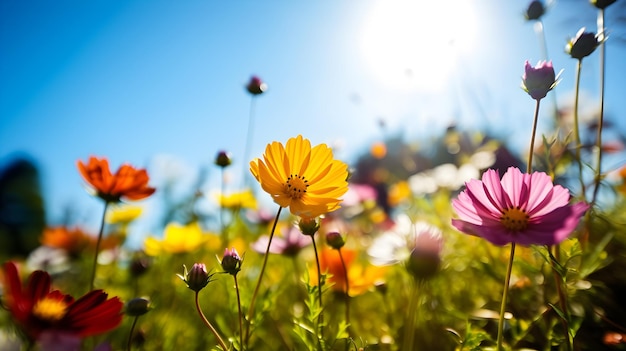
(414, 45)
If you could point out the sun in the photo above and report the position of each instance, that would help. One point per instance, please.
(415, 44)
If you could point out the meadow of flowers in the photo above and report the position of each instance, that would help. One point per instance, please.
(482, 249)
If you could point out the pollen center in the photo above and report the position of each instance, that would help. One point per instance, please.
(514, 219)
(296, 186)
(49, 309)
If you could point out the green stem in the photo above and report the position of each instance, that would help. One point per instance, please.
(240, 314)
(246, 153)
(258, 283)
(345, 277)
(541, 33)
(558, 280)
(576, 128)
(409, 327)
(209, 325)
(505, 294)
(529, 166)
(222, 224)
(601, 117)
(320, 318)
(130, 335)
(94, 266)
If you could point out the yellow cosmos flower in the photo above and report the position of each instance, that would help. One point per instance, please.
(242, 199)
(177, 238)
(307, 180)
(123, 214)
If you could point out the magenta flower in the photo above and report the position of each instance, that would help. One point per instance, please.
(526, 209)
(539, 80)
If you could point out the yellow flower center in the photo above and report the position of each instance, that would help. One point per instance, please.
(514, 219)
(49, 309)
(296, 186)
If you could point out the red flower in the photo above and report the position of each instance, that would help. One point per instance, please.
(127, 182)
(36, 309)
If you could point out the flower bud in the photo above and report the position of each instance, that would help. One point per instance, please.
(582, 45)
(602, 4)
(539, 80)
(139, 266)
(424, 260)
(535, 10)
(223, 159)
(231, 262)
(137, 306)
(308, 226)
(423, 265)
(256, 86)
(335, 240)
(197, 278)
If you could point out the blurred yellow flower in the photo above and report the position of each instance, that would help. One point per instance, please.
(398, 193)
(177, 238)
(123, 214)
(307, 180)
(238, 200)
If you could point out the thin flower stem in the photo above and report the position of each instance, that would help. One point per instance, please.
(529, 166)
(130, 335)
(558, 281)
(601, 117)
(222, 224)
(577, 129)
(505, 294)
(240, 314)
(320, 318)
(345, 277)
(541, 33)
(409, 327)
(209, 325)
(258, 283)
(249, 135)
(98, 242)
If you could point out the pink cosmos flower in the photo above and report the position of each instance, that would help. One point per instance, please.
(521, 208)
(290, 244)
(537, 81)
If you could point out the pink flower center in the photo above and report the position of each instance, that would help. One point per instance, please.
(514, 219)
(296, 186)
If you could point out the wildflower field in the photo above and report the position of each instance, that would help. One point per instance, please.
(478, 249)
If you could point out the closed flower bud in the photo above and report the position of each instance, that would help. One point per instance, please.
(535, 10)
(539, 80)
(223, 159)
(423, 265)
(602, 4)
(137, 306)
(256, 86)
(335, 240)
(139, 266)
(196, 278)
(582, 45)
(231, 262)
(424, 260)
(308, 226)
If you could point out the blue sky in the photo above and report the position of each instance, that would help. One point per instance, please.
(132, 80)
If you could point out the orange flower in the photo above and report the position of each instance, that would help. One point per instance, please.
(127, 182)
(74, 241)
(360, 277)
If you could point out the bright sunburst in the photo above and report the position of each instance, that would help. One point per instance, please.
(415, 44)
